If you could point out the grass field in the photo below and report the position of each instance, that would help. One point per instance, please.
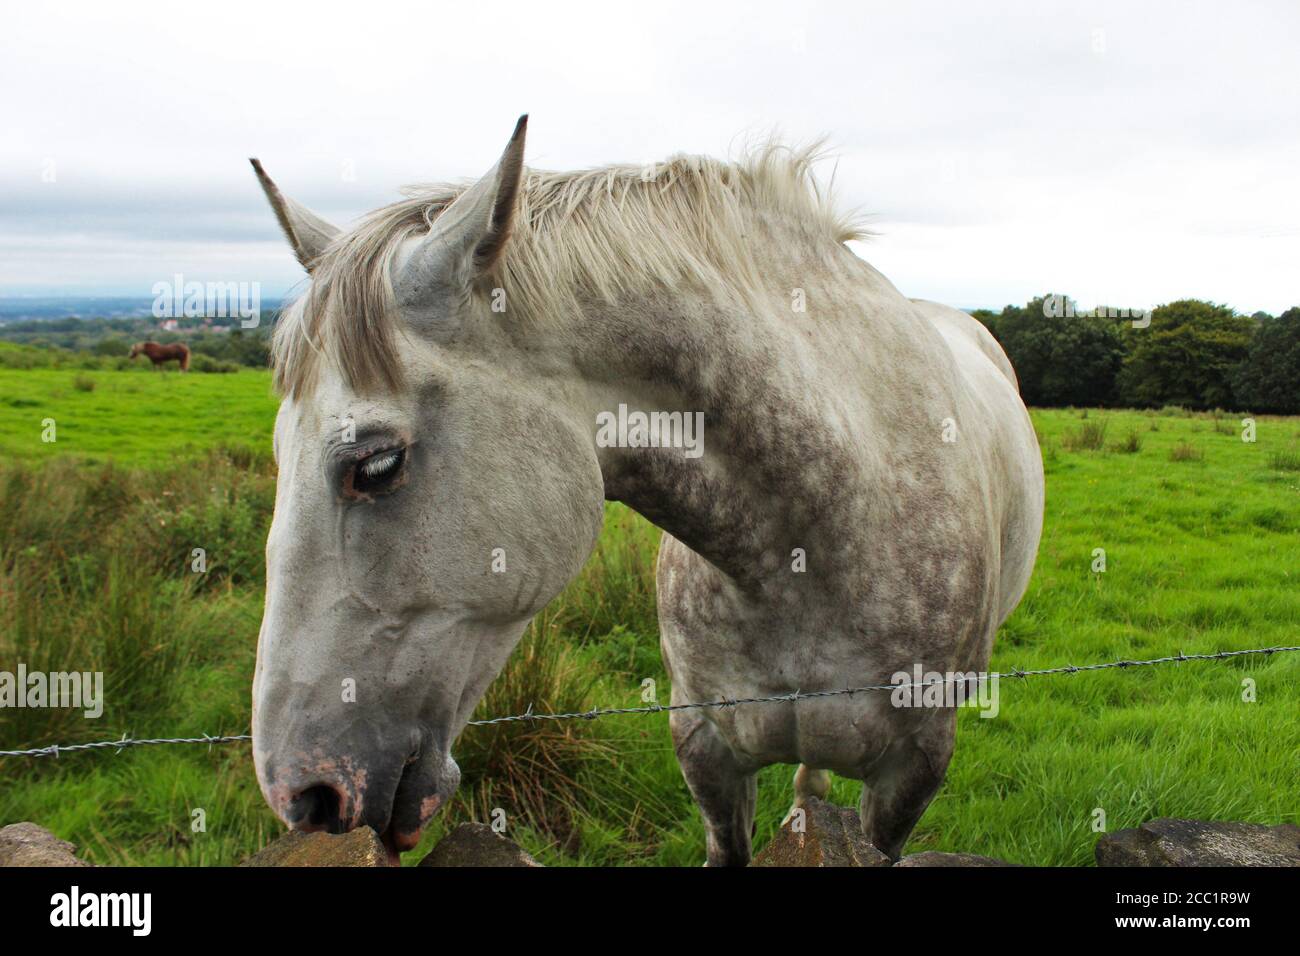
(141, 418)
(1200, 536)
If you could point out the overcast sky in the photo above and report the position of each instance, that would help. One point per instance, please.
(1121, 152)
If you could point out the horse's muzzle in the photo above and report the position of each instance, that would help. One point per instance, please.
(395, 794)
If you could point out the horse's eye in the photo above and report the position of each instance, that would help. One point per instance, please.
(378, 473)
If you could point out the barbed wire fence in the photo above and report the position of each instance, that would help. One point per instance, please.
(54, 750)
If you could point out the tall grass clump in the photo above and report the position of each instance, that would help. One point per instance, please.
(1285, 459)
(542, 771)
(1185, 451)
(534, 769)
(1131, 444)
(97, 575)
(1090, 436)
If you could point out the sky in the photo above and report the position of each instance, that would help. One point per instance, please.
(1127, 153)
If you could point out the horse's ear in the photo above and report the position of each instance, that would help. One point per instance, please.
(467, 239)
(498, 192)
(307, 232)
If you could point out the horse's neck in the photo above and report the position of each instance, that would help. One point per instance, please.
(780, 464)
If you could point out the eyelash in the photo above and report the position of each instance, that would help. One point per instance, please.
(377, 466)
(374, 474)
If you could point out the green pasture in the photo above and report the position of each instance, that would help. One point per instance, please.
(1202, 553)
(147, 418)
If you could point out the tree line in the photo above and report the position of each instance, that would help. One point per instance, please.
(110, 338)
(1191, 353)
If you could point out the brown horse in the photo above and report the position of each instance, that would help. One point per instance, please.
(158, 354)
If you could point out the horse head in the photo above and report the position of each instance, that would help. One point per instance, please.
(406, 487)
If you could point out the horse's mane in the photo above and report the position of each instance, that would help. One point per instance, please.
(597, 233)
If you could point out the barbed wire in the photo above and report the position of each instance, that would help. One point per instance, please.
(124, 742)
(53, 750)
(808, 695)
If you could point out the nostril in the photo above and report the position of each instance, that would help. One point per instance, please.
(316, 808)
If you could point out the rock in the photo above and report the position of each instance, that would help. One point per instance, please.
(1169, 842)
(831, 836)
(26, 844)
(477, 844)
(934, 858)
(361, 847)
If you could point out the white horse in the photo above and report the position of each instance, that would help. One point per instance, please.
(867, 495)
